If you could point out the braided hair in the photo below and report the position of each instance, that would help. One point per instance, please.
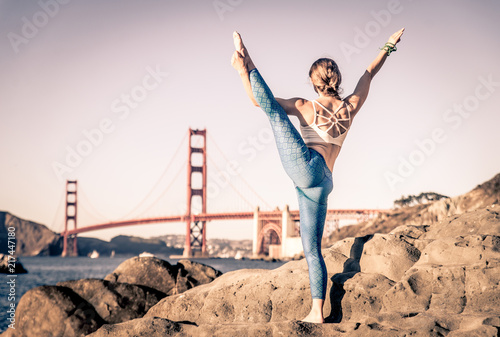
(326, 78)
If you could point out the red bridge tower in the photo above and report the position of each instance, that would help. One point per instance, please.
(71, 203)
(196, 242)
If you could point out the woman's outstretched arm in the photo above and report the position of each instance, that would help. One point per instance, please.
(358, 97)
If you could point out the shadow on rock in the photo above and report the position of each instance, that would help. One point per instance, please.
(187, 323)
(351, 268)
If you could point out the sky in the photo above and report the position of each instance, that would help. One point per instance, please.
(104, 92)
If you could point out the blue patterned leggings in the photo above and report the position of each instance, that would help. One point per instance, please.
(311, 176)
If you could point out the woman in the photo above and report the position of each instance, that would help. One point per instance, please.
(309, 159)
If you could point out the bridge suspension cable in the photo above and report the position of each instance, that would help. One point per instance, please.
(172, 160)
(55, 221)
(174, 179)
(242, 179)
(230, 184)
(92, 210)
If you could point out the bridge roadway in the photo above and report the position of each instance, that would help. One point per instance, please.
(271, 215)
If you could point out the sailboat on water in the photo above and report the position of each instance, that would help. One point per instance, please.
(94, 254)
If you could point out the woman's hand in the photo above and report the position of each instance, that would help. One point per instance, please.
(238, 62)
(396, 37)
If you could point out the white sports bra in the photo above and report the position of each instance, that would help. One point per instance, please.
(312, 134)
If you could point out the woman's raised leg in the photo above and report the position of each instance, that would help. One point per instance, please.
(294, 154)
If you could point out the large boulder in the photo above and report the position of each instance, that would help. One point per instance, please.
(388, 255)
(484, 221)
(48, 311)
(160, 275)
(244, 296)
(356, 296)
(462, 250)
(191, 274)
(454, 274)
(147, 271)
(115, 302)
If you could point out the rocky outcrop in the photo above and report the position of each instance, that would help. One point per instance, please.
(77, 308)
(54, 311)
(161, 275)
(115, 302)
(146, 271)
(31, 238)
(191, 274)
(434, 280)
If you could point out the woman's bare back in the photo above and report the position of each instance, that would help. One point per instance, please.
(339, 112)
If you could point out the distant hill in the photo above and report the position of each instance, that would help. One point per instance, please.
(134, 245)
(33, 239)
(483, 195)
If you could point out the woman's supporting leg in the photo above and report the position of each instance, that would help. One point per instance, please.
(312, 222)
(313, 208)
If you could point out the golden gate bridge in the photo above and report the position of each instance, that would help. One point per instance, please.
(272, 224)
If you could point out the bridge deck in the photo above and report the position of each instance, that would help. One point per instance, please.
(339, 214)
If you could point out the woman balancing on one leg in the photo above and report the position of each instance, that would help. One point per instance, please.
(309, 160)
